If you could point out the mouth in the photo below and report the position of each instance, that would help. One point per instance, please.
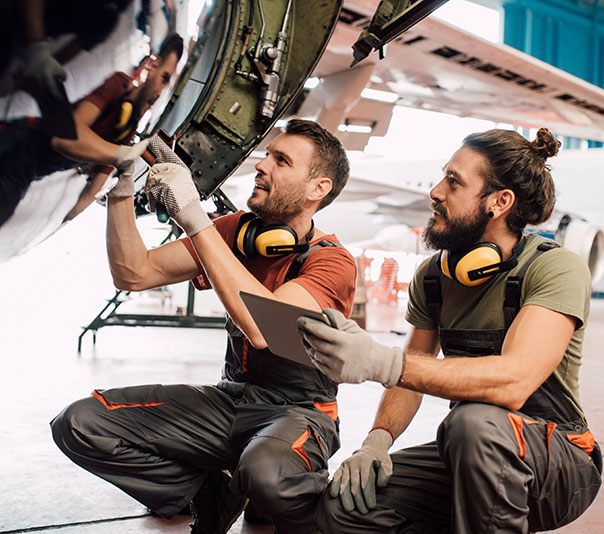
(439, 211)
(261, 186)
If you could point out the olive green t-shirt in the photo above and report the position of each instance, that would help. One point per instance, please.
(558, 280)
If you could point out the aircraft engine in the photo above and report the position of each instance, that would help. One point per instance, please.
(585, 240)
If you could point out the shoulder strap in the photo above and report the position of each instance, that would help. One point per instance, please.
(513, 286)
(296, 264)
(432, 290)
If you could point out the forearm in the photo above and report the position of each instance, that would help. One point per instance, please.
(396, 410)
(126, 250)
(88, 147)
(228, 276)
(491, 379)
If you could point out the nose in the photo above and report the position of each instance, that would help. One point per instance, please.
(262, 165)
(437, 192)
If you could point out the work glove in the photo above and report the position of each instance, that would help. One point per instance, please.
(369, 467)
(126, 155)
(346, 353)
(42, 73)
(124, 183)
(171, 185)
(163, 153)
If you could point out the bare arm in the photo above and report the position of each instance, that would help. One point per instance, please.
(133, 267)
(89, 146)
(398, 406)
(534, 346)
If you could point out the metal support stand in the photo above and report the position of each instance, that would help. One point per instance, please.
(188, 320)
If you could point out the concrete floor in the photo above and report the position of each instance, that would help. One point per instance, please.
(48, 294)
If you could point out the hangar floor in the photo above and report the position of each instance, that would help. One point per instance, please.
(47, 295)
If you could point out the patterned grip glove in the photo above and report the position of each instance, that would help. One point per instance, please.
(171, 185)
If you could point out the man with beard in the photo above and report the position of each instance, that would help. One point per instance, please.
(108, 117)
(514, 454)
(271, 422)
(106, 122)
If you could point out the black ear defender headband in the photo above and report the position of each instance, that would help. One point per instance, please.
(255, 238)
(477, 265)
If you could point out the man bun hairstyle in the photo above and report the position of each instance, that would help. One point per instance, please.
(519, 165)
(545, 144)
(329, 159)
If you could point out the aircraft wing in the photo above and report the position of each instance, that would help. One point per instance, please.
(439, 67)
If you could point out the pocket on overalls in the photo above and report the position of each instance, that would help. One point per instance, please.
(131, 397)
(570, 485)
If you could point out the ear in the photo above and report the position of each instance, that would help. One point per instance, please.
(319, 188)
(501, 202)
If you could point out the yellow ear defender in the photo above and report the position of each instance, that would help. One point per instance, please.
(254, 238)
(479, 264)
(125, 114)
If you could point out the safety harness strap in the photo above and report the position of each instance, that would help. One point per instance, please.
(296, 265)
(513, 286)
(433, 292)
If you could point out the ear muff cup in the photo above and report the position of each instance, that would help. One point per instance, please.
(458, 267)
(255, 239)
(271, 236)
(247, 237)
(125, 114)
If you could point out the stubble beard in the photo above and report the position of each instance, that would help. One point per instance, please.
(277, 208)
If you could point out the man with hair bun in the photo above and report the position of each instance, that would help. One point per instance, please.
(515, 453)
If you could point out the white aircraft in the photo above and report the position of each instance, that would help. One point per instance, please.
(433, 66)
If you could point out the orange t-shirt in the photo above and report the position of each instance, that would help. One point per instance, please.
(328, 273)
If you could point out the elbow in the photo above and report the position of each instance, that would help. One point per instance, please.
(514, 405)
(257, 341)
(126, 283)
(514, 398)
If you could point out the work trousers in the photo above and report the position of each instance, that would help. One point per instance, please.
(483, 474)
(157, 443)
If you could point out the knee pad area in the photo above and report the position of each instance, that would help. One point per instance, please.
(72, 424)
(271, 475)
(470, 425)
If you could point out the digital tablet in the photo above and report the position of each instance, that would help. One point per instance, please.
(277, 323)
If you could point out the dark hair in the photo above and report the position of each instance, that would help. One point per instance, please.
(330, 157)
(519, 165)
(172, 44)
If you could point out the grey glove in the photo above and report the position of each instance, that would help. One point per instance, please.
(346, 353)
(126, 155)
(171, 185)
(124, 186)
(356, 479)
(41, 71)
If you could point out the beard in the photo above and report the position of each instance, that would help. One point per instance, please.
(278, 206)
(460, 234)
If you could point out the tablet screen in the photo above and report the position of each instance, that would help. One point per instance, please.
(277, 323)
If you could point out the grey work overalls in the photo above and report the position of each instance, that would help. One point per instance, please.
(272, 423)
(490, 470)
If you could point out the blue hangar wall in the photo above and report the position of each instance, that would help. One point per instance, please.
(568, 34)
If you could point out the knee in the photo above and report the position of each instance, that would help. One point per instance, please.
(470, 427)
(267, 474)
(260, 471)
(329, 515)
(70, 425)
